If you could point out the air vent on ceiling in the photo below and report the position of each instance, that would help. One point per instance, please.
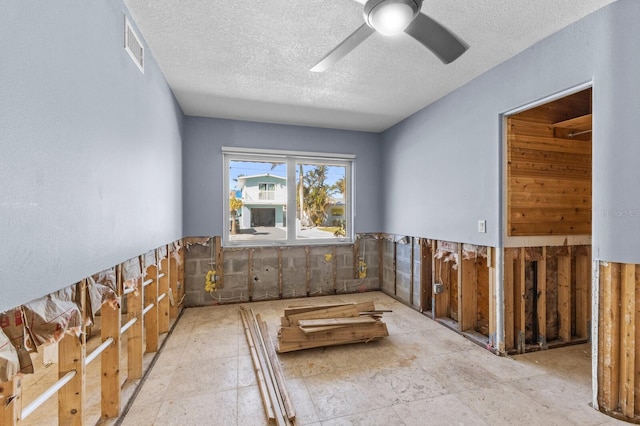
(133, 46)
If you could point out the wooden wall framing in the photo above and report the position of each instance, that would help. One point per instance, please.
(139, 326)
(618, 340)
(563, 296)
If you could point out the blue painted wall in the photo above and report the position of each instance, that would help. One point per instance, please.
(203, 171)
(90, 163)
(448, 156)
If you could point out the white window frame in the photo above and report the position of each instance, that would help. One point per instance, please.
(266, 191)
(291, 158)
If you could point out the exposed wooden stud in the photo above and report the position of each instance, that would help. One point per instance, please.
(71, 356)
(11, 402)
(509, 308)
(434, 279)
(219, 255)
(135, 341)
(610, 338)
(412, 263)
(334, 267)
(395, 267)
(163, 304)
(151, 317)
(181, 284)
(636, 380)
(564, 297)
(461, 291)
(174, 306)
(468, 289)
(604, 275)
(627, 339)
(356, 257)
(308, 269)
(110, 363)
(491, 264)
(380, 261)
(250, 276)
(522, 318)
(583, 292)
(542, 299)
(426, 276)
(443, 276)
(71, 397)
(280, 284)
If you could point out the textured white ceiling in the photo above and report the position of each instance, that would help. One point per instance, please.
(250, 60)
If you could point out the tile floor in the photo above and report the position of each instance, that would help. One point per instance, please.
(422, 374)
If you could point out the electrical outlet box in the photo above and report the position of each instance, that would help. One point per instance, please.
(438, 288)
(482, 226)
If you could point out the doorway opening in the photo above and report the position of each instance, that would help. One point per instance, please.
(547, 234)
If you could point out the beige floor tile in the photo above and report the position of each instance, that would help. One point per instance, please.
(380, 417)
(143, 414)
(442, 410)
(505, 405)
(306, 363)
(206, 409)
(250, 408)
(203, 348)
(197, 377)
(552, 391)
(156, 388)
(302, 402)
(343, 393)
(404, 384)
(423, 373)
(456, 374)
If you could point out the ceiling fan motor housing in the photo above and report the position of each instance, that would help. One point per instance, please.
(372, 6)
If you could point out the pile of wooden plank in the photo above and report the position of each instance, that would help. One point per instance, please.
(305, 327)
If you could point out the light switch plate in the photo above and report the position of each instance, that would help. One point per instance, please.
(482, 226)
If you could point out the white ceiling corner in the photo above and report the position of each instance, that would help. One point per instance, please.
(251, 60)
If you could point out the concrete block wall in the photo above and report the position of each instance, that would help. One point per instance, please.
(397, 279)
(403, 272)
(254, 273)
(197, 262)
(417, 278)
(368, 250)
(388, 274)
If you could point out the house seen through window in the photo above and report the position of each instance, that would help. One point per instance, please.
(262, 188)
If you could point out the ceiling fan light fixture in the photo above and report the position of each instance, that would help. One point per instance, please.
(390, 17)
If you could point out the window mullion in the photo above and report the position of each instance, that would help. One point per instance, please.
(291, 200)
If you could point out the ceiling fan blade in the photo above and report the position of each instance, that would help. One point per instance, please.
(443, 43)
(347, 45)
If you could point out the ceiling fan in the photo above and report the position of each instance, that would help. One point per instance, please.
(391, 17)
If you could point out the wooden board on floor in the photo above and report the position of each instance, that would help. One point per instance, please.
(292, 338)
(336, 312)
(362, 307)
(336, 321)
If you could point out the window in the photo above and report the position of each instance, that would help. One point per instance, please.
(267, 191)
(262, 185)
